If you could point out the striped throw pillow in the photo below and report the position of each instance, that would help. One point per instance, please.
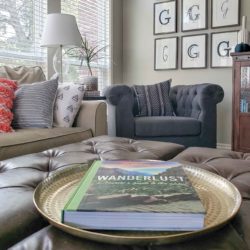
(7, 90)
(153, 100)
(33, 105)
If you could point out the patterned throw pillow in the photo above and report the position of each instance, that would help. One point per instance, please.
(153, 100)
(68, 102)
(7, 90)
(33, 105)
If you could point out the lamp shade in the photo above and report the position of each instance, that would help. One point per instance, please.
(60, 29)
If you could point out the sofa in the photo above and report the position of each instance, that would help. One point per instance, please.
(193, 123)
(22, 227)
(91, 120)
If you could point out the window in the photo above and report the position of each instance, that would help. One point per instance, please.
(21, 26)
(93, 19)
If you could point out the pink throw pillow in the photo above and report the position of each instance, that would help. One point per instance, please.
(7, 95)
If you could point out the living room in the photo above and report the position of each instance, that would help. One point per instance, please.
(126, 35)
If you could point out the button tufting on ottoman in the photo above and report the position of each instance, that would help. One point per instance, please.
(25, 229)
(234, 166)
(19, 176)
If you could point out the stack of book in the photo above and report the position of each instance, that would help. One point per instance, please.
(135, 195)
(92, 93)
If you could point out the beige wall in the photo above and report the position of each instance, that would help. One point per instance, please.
(138, 58)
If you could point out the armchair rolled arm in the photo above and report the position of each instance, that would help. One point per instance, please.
(115, 93)
(191, 100)
(93, 115)
(213, 92)
(121, 96)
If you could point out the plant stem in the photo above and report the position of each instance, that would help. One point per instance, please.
(90, 70)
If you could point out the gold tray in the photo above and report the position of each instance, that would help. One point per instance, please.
(220, 198)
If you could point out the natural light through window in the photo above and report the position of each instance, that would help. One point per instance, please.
(21, 26)
(93, 19)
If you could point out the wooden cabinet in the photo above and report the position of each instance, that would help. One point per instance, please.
(241, 102)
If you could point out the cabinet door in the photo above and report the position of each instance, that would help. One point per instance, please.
(244, 88)
(242, 107)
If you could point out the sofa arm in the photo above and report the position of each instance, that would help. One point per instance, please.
(93, 115)
(121, 96)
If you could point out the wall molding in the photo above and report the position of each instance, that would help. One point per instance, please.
(223, 146)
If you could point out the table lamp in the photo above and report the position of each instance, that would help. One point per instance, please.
(60, 31)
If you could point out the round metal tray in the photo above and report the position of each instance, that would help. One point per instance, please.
(220, 198)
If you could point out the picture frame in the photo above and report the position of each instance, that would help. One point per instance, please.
(194, 15)
(194, 51)
(222, 44)
(165, 17)
(225, 13)
(166, 53)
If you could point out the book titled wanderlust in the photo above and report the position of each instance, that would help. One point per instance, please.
(135, 195)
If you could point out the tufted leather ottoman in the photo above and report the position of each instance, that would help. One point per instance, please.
(25, 229)
(235, 167)
(19, 177)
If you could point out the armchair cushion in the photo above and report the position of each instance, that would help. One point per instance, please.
(166, 126)
(153, 100)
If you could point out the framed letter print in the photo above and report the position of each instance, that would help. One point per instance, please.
(222, 44)
(165, 17)
(194, 15)
(194, 52)
(166, 53)
(225, 13)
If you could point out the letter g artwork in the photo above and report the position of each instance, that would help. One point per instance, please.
(194, 15)
(194, 49)
(165, 17)
(225, 13)
(223, 43)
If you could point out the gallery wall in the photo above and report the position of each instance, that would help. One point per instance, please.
(138, 58)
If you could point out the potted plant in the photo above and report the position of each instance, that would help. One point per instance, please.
(89, 54)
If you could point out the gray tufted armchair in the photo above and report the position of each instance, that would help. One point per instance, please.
(194, 122)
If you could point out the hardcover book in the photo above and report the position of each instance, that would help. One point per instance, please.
(135, 195)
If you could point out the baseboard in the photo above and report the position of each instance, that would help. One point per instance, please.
(223, 146)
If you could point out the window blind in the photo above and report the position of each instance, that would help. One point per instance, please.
(93, 19)
(21, 26)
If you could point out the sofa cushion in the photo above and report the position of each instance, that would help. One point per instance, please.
(23, 74)
(153, 100)
(7, 94)
(68, 101)
(166, 126)
(34, 104)
(26, 141)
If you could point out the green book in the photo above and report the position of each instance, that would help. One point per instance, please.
(135, 195)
